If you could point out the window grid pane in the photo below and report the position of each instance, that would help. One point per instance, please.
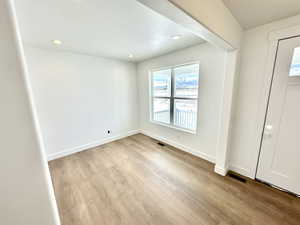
(185, 114)
(161, 83)
(186, 81)
(161, 110)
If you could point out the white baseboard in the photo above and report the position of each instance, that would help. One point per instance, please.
(180, 146)
(90, 145)
(120, 136)
(241, 171)
(221, 171)
(237, 169)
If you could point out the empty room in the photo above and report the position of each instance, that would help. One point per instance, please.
(150, 112)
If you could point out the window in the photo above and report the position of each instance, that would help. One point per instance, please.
(295, 65)
(174, 94)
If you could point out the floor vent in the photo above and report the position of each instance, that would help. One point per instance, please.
(161, 144)
(236, 177)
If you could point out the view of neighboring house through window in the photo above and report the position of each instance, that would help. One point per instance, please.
(175, 96)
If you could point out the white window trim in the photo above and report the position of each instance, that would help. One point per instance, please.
(151, 97)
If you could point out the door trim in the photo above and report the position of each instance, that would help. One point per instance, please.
(274, 38)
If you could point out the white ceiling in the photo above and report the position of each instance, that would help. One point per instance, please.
(252, 13)
(110, 28)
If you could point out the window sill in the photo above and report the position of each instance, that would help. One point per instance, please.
(174, 127)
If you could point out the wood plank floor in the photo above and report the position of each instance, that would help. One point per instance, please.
(134, 181)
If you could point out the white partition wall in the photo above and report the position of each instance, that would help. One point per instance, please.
(82, 101)
(211, 62)
(26, 195)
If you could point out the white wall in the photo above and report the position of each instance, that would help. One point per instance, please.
(246, 133)
(220, 29)
(26, 196)
(211, 88)
(79, 98)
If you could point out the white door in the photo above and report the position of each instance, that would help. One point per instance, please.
(279, 162)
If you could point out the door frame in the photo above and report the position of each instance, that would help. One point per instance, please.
(274, 38)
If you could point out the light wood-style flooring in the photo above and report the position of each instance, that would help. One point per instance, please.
(135, 181)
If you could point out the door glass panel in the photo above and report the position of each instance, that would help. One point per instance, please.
(161, 83)
(295, 66)
(185, 114)
(161, 110)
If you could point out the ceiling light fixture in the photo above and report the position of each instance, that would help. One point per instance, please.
(57, 42)
(130, 56)
(176, 37)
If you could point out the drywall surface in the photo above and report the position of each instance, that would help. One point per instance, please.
(246, 135)
(79, 98)
(229, 89)
(214, 15)
(24, 188)
(212, 73)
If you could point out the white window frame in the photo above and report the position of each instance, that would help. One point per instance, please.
(172, 97)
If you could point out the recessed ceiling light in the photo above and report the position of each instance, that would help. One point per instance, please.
(130, 56)
(176, 37)
(57, 42)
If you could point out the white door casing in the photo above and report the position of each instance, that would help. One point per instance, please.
(279, 162)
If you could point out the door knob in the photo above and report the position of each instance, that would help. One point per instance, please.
(267, 131)
(268, 127)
